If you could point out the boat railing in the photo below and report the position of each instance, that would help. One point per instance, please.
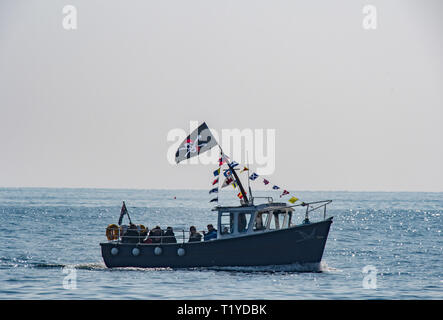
(270, 199)
(143, 237)
(316, 205)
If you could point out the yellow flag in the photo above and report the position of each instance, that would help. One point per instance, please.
(293, 200)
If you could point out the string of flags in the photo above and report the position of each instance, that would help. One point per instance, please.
(216, 174)
(201, 140)
(292, 200)
(227, 173)
(223, 158)
(230, 180)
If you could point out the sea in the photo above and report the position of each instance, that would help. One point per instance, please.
(382, 245)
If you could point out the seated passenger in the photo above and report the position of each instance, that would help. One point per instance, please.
(194, 236)
(132, 235)
(211, 234)
(143, 233)
(169, 236)
(156, 235)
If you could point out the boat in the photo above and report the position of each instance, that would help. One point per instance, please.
(257, 232)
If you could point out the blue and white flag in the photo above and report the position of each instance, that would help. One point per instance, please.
(253, 176)
(215, 190)
(234, 164)
(275, 187)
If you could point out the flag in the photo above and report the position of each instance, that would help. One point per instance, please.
(227, 182)
(217, 172)
(293, 200)
(285, 192)
(265, 181)
(234, 184)
(244, 169)
(215, 181)
(239, 195)
(234, 164)
(123, 211)
(214, 200)
(215, 190)
(227, 173)
(223, 158)
(253, 176)
(275, 187)
(199, 141)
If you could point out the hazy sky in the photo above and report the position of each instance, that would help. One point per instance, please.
(352, 109)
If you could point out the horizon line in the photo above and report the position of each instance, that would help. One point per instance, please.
(200, 189)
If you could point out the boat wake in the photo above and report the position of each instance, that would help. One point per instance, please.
(293, 267)
(98, 267)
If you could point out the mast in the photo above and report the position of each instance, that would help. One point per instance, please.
(242, 190)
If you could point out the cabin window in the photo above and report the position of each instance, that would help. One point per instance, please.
(280, 221)
(274, 224)
(277, 219)
(261, 221)
(285, 219)
(226, 223)
(243, 220)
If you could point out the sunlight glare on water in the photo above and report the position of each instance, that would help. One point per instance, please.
(48, 232)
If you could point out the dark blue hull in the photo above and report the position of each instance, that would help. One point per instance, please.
(300, 244)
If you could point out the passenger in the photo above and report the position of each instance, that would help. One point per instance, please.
(241, 222)
(156, 235)
(211, 234)
(169, 236)
(143, 233)
(194, 236)
(132, 235)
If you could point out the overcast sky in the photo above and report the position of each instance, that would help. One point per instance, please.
(352, 109)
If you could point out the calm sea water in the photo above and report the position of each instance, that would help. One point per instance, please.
(50, 234)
